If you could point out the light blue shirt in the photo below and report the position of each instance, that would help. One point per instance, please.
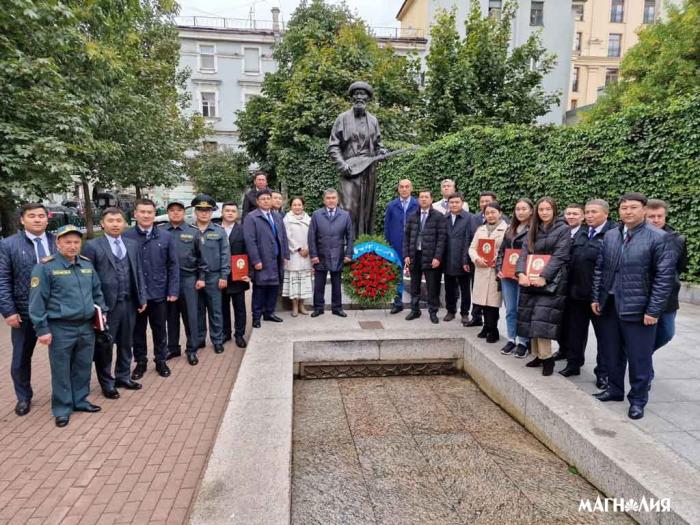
(113, 246)
(43, 240)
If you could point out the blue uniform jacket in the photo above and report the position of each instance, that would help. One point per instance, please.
(215, 250)
(395, 222)
(64, 291)
(159, 261)
(17, 258)
(188, 243)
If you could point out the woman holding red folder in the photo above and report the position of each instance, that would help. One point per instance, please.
(482, 251)
(543, 293)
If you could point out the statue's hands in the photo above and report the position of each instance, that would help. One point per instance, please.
(383, 151)
(345, 170)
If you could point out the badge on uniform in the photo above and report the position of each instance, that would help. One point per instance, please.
(34, 282)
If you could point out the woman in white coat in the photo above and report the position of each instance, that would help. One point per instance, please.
(297, 275)
(486, 291)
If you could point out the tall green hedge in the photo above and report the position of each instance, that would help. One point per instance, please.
(655, 150)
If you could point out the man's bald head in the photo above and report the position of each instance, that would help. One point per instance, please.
(405, 188)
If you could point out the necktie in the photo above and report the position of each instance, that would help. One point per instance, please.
(331, 213)
(444, 204)
(41, 252)
(272, 222)
(423, 216)
(118, 249)
(591, 233)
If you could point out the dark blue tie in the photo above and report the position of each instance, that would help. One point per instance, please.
(274, 232)
(591, 233)
(40, 248)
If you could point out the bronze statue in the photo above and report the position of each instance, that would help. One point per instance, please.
(355, 146)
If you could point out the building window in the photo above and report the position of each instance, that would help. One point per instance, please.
(536, 13)
(577, 42)
(207, 58)
(574, 103)
(208, 103)
(578, 12)
(612, 75)
(251, 60)
(495, 7)
(614, 44)
(649, 11)
(574, 80)
(617, 11)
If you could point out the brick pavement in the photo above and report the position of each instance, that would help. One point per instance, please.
(139, 460)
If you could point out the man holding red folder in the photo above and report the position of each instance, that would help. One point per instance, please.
(239, 280)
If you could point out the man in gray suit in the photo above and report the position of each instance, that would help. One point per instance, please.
(330, 245)
(117, 262)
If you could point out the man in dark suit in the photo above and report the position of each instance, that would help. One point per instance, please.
(266, 242)
(250, 200)
(394, 225)
(330, 245)
(423, 249)
(456, 265)
(117, 262)
(235, 293)
(19, 254)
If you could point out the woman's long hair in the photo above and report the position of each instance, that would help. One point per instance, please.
(515, 223)
(535, 221)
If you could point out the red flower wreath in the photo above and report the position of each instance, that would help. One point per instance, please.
(371, 280)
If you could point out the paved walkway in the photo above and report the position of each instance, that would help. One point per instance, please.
(138, 461)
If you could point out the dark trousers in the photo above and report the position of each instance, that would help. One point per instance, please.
(23, 343)
(239, 313)
(121, 320)
(186, 308)
(575, 336)
(458, 286)
(209, 306)
(627, 342)
(320, 290)
(70, 357)
(490, 314)
(264, 300)
(155, 314)
(432, 284)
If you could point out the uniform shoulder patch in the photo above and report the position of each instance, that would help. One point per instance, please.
(47, 258)
(34, 282)
(84, 258)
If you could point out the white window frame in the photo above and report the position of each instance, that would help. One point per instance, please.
(533, 23)
(199, 58)
(250, 73)
(208, 88)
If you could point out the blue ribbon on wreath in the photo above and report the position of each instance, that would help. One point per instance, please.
(385, 252)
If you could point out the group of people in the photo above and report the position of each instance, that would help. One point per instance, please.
(624, 278)
(92, 302)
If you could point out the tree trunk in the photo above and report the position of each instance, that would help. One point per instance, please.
(138, 191)
(89, 217)
(8, 215)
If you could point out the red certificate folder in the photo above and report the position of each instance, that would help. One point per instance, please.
(535, 264)
(510, 260)
(239, 267)
(98, 321)
(486, 249)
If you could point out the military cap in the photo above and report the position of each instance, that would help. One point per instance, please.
(361, 85)
(204, 202)
(175, 203)
(68, 228)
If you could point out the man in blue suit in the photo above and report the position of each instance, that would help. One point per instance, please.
(330, 245)
(397, 211)
(266, 242)
(19, 254)
(118, 265)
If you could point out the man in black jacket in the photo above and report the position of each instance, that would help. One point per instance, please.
(423, 248)
(585, 247)
(632, 282)
(235, 291)
(657, 211)
(456, 264)
(250, 200)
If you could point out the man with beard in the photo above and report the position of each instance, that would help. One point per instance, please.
(356, 134)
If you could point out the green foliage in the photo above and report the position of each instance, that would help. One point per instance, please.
(223, 174)
(479, 80)
(664, 64)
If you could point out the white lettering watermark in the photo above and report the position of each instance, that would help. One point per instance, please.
(625, 505)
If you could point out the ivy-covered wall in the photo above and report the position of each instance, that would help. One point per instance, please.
(655, 150)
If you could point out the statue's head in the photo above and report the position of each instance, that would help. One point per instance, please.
(360, 93)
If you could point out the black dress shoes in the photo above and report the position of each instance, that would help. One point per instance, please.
(227, 338)
(449, 316)
(570, 371)
(62, 421)
(22, 408)
(413, 314)
(548, 366)
(240, 342)
(218, 349)
(192, 359)
(607, 396)
(256, 323)
(434, 318)
(534, 363)
(171, 355)
(316, 313)
(601, 383)
(139, 370)
(129, 385)
(476, 321)
(339, 313)
(273, 318)
(396, 309)
(111, 394)
(162, 369)
(636, 412)
(88, 407)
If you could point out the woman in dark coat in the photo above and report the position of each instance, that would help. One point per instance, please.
(540, 312)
